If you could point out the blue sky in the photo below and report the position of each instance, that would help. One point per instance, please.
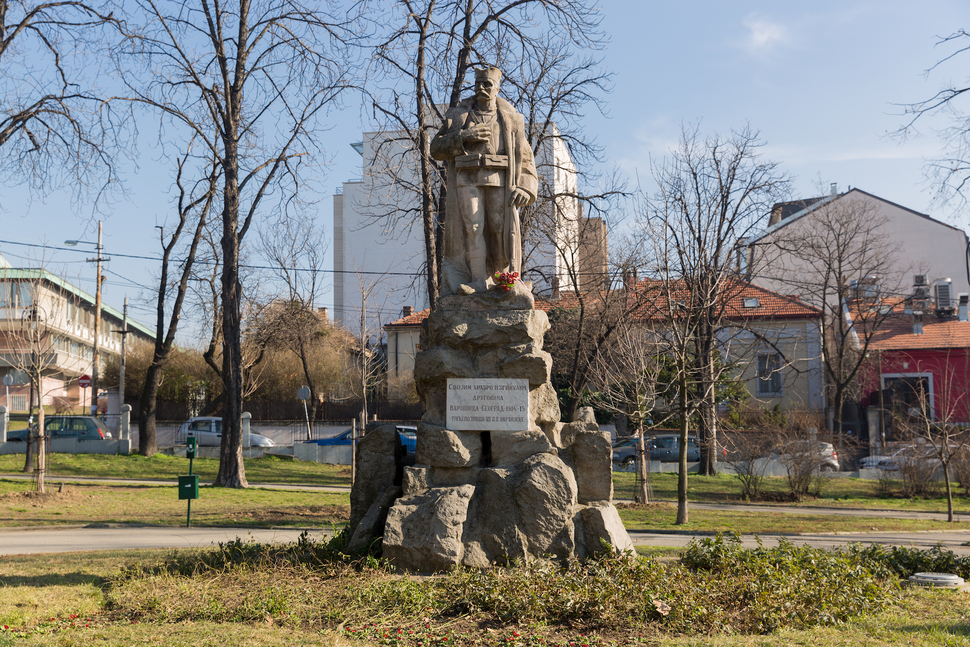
(819, 81)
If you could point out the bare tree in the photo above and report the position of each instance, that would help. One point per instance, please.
(296, 248)
(626, 376)
(369, 361)
(711, 194)
(949, 172)
(427, 51)
(206, 287)
(932, 423)
(250, 82)
(193, 210)
(52, 121)
(839, 259)
(585, 322)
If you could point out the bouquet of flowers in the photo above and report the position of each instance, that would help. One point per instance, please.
(506, 280)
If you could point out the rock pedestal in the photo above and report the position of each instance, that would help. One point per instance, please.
(483, 497)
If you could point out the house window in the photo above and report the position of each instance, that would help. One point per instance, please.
(769, 375)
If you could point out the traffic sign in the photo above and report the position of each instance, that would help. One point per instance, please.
(84, 381)
(303, 393)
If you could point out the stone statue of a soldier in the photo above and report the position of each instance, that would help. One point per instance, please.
(491, 175)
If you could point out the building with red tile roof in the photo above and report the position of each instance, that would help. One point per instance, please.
(775, 339)
(912, 354)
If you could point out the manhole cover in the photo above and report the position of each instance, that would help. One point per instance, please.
(937, 580)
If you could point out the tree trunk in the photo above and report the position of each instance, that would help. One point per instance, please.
(949, 489)
(642, 466)
(837, 420)
(424, 157)
(148, 410)
(31, 448)
(41, 440)
(682, 516)
(232, 472)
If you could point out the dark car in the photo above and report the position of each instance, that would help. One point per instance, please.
(79, 427)
(664, 449)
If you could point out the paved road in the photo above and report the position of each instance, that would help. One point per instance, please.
(54, 539)
(101, 537)
(958, 542)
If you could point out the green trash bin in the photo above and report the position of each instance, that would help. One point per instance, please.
(189, 486)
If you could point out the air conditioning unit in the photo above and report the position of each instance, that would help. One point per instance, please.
(944, 297)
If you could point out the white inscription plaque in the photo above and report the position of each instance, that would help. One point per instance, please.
(488, 404)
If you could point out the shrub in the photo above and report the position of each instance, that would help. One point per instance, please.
(918, 473)
(904, 561)
(791, 586)
(960, 468)
(746, 455)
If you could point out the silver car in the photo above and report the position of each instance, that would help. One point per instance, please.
(823, 454)
(208, 433)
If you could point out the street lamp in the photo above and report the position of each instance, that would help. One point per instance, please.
(97, 319)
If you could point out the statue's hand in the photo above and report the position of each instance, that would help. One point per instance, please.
(477, 133)
(519, 198)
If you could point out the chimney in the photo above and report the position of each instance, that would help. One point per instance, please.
(323, 314)
(834, 188)
(962, 312)
(408, 311)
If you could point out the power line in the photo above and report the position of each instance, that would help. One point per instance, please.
(158, 259)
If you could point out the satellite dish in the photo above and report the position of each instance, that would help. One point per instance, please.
(303, 393)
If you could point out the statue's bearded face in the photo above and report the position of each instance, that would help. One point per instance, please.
(486, 89)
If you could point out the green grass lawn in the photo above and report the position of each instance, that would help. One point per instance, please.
(835, 492)
(161, 466)
(661, 516)
(84, 503)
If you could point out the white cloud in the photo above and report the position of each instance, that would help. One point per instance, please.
(763, 35)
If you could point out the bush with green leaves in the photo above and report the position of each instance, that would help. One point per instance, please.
(718, 586)
(904, 561)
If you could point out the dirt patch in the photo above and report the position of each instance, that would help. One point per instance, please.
(644, 506)
(310, 514)
(36, 498)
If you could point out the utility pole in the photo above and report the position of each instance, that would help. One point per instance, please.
(95, 373)
(124, 348)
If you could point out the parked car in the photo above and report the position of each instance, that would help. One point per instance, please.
(79, 427)
(824, 453)
(872, 462)
(208, 433)
(910, 453)
(664, 449)
(408, 435)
